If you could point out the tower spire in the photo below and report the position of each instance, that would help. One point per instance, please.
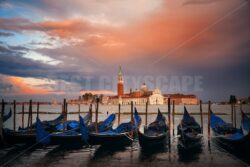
(120, 70)
(120, 88)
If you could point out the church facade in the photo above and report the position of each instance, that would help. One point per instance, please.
(139, 96)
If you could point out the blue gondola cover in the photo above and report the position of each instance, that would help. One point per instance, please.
(41, 135)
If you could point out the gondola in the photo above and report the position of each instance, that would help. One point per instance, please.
(68, 138)
(28, 135)
(73, 136)
(48, 125)
(6, 117)
(103, 126)
(155, 134)
(71, 124)
(189, 132)
(228, 136)
(119, 137)
(245, 124)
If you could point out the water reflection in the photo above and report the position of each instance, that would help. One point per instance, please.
(152, 153)
(107, 151)
(190, 155)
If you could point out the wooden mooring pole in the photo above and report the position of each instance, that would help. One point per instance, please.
(132, 118)
(241, 111)
(209, 120)
(169, 125)
(169, 112)
(173, 114)
(64, 113)
(235, 116)
(79, 110)
(96, 115)
(232, 111)
(119, 114)
(30, 114)
(23, 115)
(91, 113)
(201, 115)
(146, 116)
(1, 122)
(37, 109)
(2, 108)
(14, 115)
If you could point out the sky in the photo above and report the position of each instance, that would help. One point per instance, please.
(55, 49)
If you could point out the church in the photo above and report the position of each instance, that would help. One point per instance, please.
(138, 97)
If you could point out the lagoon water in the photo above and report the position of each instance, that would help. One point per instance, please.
(210, 154)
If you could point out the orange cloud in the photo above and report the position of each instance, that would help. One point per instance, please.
(156, 34)
(24, 88)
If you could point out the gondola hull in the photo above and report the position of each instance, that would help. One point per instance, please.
(229, 137)
(12, 137)
(190, 133)
(152, 141)
(66, 140)
(121, 139)
(242, 145)
(190, 144)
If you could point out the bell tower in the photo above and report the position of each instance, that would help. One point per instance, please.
(120, 86)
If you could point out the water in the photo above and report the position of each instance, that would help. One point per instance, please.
(131, 156)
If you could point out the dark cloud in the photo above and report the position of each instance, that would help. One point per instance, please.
(200, 2)
(6, 34)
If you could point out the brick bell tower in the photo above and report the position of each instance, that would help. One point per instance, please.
(120, 83)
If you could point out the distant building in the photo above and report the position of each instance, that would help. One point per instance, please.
(140, 96)
(182, 99)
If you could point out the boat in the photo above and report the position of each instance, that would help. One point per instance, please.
(189, 132)
(102, 126)
(155, 134)
(6, 117)
(119, 137)
(69, 137)
(71, 124)
(229, 137)
(48, 125)
(245, 124)
(28, 135)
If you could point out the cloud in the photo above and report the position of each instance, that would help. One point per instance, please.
(6, 34)
(200, 2)
(108, 12)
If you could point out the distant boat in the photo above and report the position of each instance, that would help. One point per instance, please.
(155, 134)
(116, 137)
(230, 137)
(190, 132)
